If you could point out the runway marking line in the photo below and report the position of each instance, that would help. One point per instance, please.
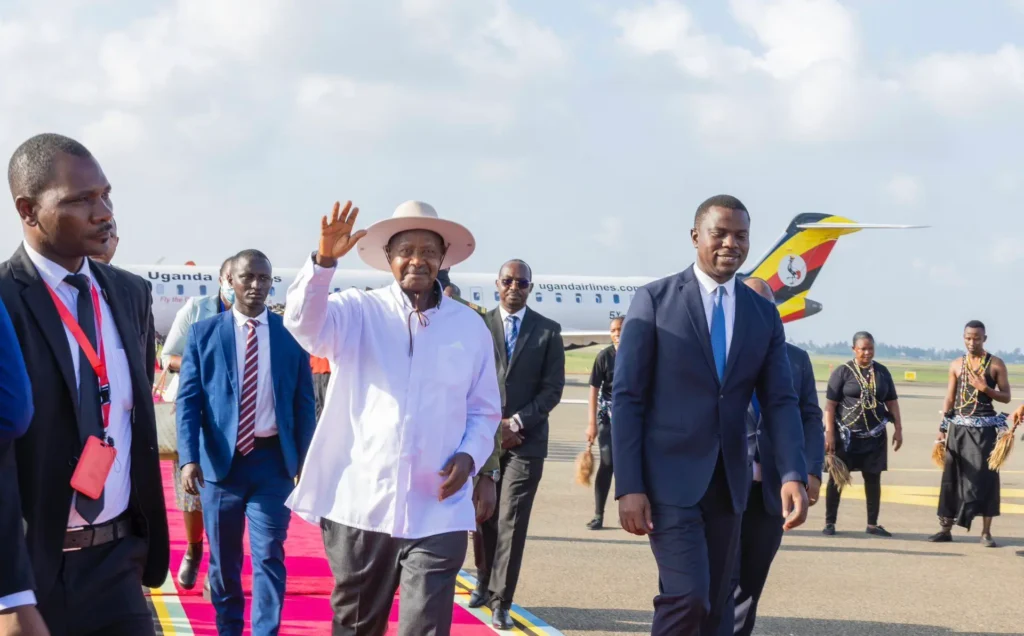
(524, 621)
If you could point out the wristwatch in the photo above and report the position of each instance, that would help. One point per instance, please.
(515, 424)
(495, 475)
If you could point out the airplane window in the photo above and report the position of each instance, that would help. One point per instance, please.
(160, 289)
(539, 297)
(476, 296)
(597, 297)
(558, 297)
(181, 290)
(337, 289)
(615, 298)
(202, 290)
(579, 299)
(272, 290)
(496, 298)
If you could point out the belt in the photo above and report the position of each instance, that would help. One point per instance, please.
(91, 536)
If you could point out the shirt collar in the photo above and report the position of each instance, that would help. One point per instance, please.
(519, 314)
(403, 300)
(710, 285)
(241, 319)
(52, 273)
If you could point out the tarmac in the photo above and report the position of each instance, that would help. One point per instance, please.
(583, 582)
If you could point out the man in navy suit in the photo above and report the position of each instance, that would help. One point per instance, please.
(761, 532)
(246, 416)
(693, 348)
(15, 388)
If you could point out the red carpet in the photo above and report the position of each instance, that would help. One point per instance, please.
(307, 609)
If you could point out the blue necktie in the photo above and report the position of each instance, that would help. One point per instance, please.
(512, 332)
(718, 332)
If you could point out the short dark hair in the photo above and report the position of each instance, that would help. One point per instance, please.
(517, 260)
(718, 201)
(974, 324)
(226, 265)
(31, 165)
(862, 335)
(249, 255)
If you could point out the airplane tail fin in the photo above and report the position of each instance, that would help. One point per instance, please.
(793, 263)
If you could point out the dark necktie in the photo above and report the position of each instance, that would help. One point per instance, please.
(90, 417)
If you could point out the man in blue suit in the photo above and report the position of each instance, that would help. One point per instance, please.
(761, 532)
(15, 387)
(246, 416)
(693, 348)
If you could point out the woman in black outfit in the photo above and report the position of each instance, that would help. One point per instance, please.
(600, 426)
(860, 402)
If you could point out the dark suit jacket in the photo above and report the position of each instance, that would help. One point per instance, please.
(813, 432)
(15, 387)
(672, 414)
(209, 390)
(36, 471)
(531, 383)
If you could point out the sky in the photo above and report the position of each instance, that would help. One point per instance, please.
(579, 136)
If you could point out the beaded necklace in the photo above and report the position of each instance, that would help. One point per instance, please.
(868, 400)
(968, 395)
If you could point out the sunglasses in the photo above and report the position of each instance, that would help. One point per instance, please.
(522, 283)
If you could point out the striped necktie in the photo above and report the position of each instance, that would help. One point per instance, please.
(247, 406)
(511, 333)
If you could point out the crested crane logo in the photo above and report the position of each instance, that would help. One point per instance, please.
(792, 270)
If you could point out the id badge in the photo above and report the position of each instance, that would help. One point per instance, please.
(93, 467)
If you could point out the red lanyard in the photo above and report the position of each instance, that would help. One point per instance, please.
(97, 362)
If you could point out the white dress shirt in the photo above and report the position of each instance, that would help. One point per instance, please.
(117, 488)
(708, 290)
(266, 418)
(403, 399)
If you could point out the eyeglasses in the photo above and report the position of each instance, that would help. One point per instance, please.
(522, 283)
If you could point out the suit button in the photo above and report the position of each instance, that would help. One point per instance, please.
(721, 397)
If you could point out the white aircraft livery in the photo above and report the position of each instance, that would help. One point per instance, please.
(583, 305)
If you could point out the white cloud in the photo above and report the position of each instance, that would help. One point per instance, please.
(804, 84)
(1006, 250)
(968, 84)
(904, 189)
(115, 133)
(486, 37)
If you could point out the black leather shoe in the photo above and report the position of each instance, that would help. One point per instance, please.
(479, 599)
(500, 619)
(189, 569)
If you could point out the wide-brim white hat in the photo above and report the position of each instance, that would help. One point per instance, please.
(415, 215)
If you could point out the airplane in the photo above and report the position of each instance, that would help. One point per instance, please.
(583, 305)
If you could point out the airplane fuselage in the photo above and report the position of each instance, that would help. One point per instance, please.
(578, 303)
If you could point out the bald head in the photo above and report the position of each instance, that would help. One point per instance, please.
(761, 287)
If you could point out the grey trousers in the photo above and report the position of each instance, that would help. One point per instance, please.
(369, 566)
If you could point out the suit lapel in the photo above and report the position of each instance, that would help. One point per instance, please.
(739, 328)
(40, 303)
(278, 368)
(226, 335)
(695, 309)
(498, 335)
(525, 329)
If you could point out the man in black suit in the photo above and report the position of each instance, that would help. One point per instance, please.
(530, 358)
(761, 530)
(86, 332)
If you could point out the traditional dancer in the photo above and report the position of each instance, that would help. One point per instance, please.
(860, 402)
(970, 428)
(599, 428)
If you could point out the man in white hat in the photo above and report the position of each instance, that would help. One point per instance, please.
(408, 419)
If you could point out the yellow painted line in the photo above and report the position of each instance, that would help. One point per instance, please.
(929, 496)
(169, 610)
